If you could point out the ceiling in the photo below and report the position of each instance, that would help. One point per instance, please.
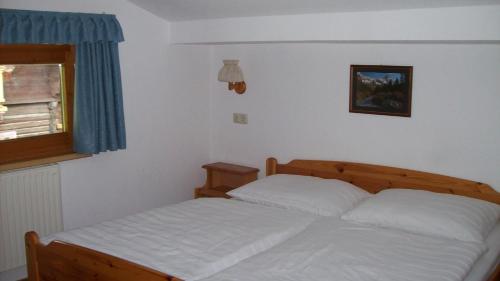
(184, 10)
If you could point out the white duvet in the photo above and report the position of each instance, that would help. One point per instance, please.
(193, 239)
(332, 249)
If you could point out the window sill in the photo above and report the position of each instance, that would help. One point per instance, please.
(43, 161)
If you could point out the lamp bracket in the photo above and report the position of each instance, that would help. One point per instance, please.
(238, 87)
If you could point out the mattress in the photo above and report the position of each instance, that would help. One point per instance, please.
(193, 239)
(332, 249)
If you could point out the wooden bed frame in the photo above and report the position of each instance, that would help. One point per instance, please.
(375, 178)
(64, 261)
(59, 261)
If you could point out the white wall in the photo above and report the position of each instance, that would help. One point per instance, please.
(166, 120)
(297, 97)
(298, 107)
(481, 23)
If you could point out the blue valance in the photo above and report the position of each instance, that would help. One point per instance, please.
(32, 27)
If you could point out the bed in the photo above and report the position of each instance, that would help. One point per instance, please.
(190, 240)
(56, 260)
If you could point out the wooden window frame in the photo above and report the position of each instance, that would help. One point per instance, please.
(51, 145)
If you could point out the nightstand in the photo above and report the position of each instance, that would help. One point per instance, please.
(223, 177)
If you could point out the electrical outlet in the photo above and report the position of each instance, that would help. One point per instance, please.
(240, 118)
(243, 118)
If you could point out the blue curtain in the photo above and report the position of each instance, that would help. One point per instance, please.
(98, 111)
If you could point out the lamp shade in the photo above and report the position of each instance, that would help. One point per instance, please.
(231, 72)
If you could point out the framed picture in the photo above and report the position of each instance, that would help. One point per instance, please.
(381, 89)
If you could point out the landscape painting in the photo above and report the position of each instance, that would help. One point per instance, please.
(379, 89)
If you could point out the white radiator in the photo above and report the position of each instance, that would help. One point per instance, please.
(29, 200)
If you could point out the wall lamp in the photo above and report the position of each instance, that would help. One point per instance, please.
(231, 73)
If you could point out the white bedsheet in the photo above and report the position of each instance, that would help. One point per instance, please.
(487, 263)
(193, 239)
(332, 249)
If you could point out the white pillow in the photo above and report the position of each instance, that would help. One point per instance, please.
(429, 213)
(327, 197)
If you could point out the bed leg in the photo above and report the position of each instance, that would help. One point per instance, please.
(31, 241)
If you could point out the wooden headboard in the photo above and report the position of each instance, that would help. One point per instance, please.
(375, 178)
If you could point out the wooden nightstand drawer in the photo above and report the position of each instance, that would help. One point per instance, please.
(224, 177)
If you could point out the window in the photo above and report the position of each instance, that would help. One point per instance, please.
(36, 101)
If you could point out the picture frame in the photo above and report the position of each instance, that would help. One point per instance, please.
(381, 89)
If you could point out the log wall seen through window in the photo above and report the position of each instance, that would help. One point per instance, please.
(32, 100)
